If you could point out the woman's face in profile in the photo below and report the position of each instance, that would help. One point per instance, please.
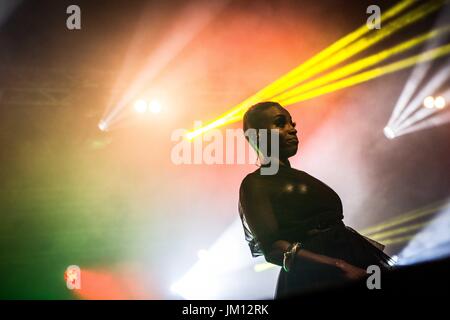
(279, 118)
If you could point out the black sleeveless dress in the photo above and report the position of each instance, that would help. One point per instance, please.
(310, 212)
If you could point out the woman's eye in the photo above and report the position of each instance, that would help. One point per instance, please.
(279, 123)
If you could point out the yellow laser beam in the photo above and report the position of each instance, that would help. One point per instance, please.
(362, 44)
(371, 74)
(361, 64)
(382, 235)
(398, 240)
(236, 113)
(337, 47)
(409, 216)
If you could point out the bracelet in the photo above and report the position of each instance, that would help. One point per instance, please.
(286, 255)
(289, 254)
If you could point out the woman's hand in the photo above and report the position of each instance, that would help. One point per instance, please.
(350, 271)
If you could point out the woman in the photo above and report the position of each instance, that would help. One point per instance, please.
(295, 220)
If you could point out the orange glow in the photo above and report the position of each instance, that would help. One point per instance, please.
(124, 284)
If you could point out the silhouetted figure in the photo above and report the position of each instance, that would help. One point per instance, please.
(295, 220)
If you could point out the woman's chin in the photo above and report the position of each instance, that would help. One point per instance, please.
(290, 151)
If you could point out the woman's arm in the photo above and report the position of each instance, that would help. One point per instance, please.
(255, 200)
(278, 248)
(275, 255)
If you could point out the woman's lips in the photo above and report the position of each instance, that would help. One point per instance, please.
(292, 141)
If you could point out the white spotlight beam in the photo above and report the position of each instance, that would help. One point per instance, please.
(416, 77)
(419, 71)
(210, 277)
(429, 88)
(188, 24)
(438, 117)
(429, 123)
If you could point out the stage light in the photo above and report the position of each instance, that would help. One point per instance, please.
(410, 115)
(191, 18)
(409, 108)
(72, 277)
(140, 106)
(389, 133)
(102, 125)
(428, 102)
(439, 102)
(155, 106)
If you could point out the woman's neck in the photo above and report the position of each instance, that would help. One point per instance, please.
(285, 162)
(281, 162)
